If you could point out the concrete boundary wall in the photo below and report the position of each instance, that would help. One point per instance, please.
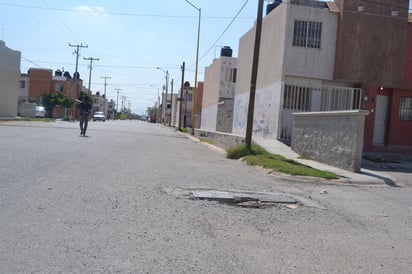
(225, 139)
(334, 138)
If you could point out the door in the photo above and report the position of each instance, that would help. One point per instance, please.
(381, 117)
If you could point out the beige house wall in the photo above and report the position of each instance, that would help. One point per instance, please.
(217, 105)
(311, 62)
(280, 63)
(270, 74)
(9, 80)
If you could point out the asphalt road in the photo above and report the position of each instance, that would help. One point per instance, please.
(118, 202)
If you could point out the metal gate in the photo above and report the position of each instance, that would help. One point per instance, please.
(298, 98)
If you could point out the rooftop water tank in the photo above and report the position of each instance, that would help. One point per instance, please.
(226, 52)
(272, 6)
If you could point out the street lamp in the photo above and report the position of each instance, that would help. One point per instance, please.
(167, 83)
(158, 99)
(197, 66)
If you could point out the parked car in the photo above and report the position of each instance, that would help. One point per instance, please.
(99, 116)
(40, 112)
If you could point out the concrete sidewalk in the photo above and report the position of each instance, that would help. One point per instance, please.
(373, 174)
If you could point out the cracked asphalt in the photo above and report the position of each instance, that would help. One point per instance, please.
(110, 203)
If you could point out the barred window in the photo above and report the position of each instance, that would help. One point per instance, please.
(307, 34)
(405, 109)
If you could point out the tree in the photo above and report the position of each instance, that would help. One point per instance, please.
(50, 101)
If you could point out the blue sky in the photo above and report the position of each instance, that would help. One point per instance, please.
(130, 37)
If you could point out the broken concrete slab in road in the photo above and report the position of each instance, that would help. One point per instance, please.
(242, 198)
(245, 199)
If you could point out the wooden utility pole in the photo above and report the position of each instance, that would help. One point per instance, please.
(105, 100)
(90, 69)
(117, 102)
(255, 65)
(76, 74)
(171, 102)
(181, 97)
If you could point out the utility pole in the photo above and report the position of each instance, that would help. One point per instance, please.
(90, 68)
(117, 102)
(105, 100)
(171, 102)
(255, 65)
(123, 102)
(77, 52)
(181, 96)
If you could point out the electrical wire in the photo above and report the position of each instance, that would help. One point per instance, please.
(118, 13)
(226, 29)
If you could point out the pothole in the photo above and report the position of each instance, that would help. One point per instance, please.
(246, 199)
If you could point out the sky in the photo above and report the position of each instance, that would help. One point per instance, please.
(131, 39)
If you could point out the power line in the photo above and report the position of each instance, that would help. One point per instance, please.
(226, 29)
(120, 13)
(31, 62)
(45, 27)
(63, 27)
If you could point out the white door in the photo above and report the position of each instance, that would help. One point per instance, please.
(381, 116)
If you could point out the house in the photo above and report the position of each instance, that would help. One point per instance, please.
(325, 56)
(9, 80)
(42, 82)
(384, 71)
(110, 109)
(23, 98)
(100, 103)
(219, 93)
(186, 103)
(296, 69)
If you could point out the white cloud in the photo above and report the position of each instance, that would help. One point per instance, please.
(95, 11)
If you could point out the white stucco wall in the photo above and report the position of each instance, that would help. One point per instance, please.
(209, 116)
(9, 80)
(270, 73)
(266, 112)
(311, 62)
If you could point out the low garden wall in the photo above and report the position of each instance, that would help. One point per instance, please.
(334, 138)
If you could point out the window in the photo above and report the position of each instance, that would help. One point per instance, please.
(307, 34)
(22, 84)
(59, 87)
(405, 109)
(230, 75)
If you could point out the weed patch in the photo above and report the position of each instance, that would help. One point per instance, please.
(258, 156)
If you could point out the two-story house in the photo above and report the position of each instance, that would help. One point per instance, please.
(323, 56)
(296, 69)
(219, 93)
